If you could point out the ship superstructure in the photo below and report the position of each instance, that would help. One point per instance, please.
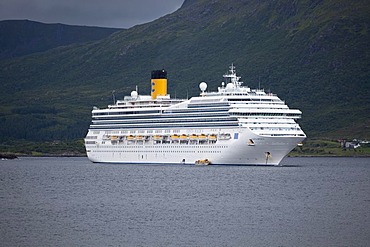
(235, 125)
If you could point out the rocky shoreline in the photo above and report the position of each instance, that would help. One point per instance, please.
(8, 156)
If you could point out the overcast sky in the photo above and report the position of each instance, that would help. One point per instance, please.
(102, 13)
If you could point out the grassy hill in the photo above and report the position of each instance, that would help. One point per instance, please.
(313, 54)
(23, 37)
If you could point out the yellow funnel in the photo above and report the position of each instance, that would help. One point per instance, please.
(159, 83)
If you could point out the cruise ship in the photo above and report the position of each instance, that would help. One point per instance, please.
(235, 125)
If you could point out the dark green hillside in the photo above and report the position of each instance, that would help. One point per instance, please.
(23, 37)
(313, 54)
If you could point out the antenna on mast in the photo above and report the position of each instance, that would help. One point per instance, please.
(114, 97)
(259, 83)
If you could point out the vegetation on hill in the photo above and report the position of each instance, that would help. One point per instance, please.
(328, 147)
(313, 54)
(49, 148)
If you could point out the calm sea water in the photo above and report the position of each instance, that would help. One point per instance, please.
(72, 202)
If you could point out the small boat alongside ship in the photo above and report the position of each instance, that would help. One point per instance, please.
(204, 162)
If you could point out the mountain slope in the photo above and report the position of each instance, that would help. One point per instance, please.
(313, 54)
(23, 37)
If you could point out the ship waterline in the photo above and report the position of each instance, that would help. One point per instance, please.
(234, 126)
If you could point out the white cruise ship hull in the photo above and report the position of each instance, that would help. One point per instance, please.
(242, 148)
(234, 125)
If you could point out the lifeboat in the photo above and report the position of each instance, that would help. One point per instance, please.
(194, 136)
(183, 136)
(204, 162)
(131, 138)
(157, 137)
(202, 137)
(139, 138)
(212, 137)
(175, 136)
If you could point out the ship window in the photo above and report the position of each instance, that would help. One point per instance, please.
(239, 100)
